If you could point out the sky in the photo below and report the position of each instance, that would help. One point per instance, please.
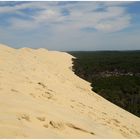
(71, 26)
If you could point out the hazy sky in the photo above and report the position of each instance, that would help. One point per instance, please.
(71, 25)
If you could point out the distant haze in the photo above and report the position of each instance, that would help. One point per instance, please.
(71, 26)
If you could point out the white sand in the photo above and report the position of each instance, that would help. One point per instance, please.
(40, 97)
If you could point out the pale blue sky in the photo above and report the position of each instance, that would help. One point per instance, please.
(69, 25)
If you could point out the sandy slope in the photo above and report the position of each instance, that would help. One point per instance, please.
(40, 97)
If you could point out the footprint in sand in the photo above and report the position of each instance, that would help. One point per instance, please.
(61, 125)
(41, 84)
(41, 118)
(115, 120)
(24, 117)
(14, 90)
(57, 125)
(81, 104)
(104, 113)
(79, 129)
(72, 106)
(46, 125)
(49, 95)
(45, 95)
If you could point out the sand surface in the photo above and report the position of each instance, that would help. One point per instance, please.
(40, 97)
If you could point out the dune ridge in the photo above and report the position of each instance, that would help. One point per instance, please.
(41, 97)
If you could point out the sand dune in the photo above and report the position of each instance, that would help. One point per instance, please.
(40, 97)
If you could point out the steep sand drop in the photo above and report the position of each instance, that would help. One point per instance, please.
(40, 97)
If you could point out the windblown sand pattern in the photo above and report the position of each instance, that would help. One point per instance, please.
(41, 97)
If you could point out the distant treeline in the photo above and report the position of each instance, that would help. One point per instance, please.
(115, 75)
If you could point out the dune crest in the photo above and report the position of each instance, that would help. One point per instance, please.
(41, 97)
